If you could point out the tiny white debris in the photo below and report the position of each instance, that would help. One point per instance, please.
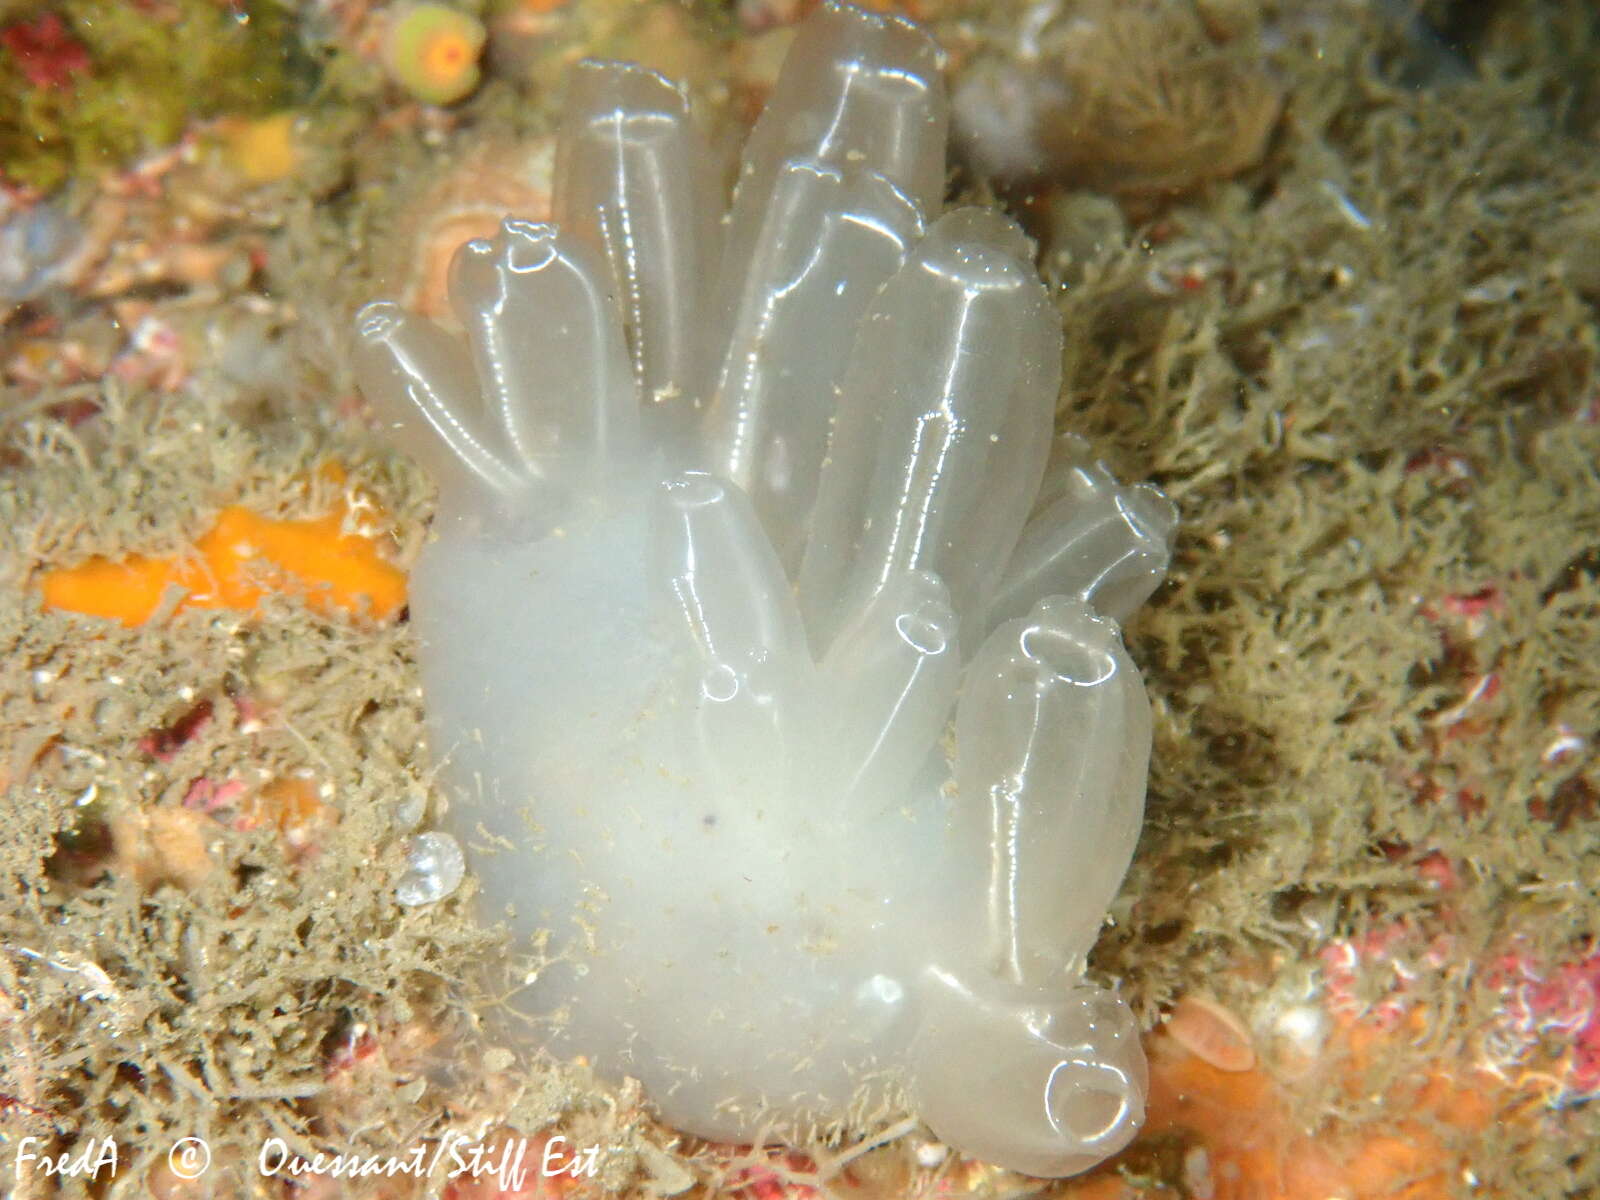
(1346, 206)
(1197, 1173)
(931, 1154)
(1304, 1027)
(1564, 747)
(409, 810)
(1497, 289)
(434, 869)
(412, 1092)
(668, 1176)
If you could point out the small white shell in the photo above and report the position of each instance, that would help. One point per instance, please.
(434, 869)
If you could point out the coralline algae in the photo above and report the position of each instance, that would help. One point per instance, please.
(733, 518)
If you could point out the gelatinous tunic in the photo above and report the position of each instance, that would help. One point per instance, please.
(738, 522)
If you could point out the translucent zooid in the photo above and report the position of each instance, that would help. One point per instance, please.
(740, 519)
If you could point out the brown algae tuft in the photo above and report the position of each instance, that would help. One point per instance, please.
(1132, 99)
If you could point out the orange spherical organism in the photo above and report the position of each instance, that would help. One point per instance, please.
(432, 51)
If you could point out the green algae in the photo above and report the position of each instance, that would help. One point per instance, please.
(151, 70)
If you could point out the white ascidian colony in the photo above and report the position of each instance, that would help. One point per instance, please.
(771, 655)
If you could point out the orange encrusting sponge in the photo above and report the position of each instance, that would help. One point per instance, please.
(1254, 1152)
(241, 558)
